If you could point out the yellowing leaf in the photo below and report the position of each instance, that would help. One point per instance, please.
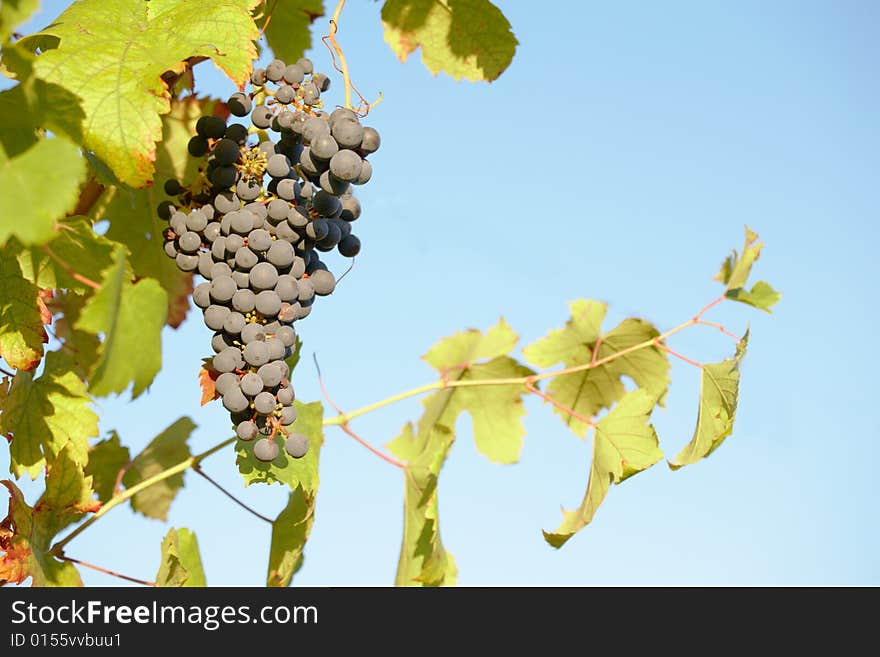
(288, 32)
(468, 39)
(718, 399)
(55, 168)
(131, 317)
(165, 450)
(22, 333)
(735, 272)
(112, 53)
(593, 389)
(624, 444)
(45, 414)
(181, 563)
(290, 531)
(13, 13)
(26, 534)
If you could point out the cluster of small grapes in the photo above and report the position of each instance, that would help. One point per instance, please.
(252, 225)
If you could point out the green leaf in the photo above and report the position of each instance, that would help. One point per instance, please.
(496, 410)
(284, 469)
(132, 213)
(106, 459)
(80, 346)
(74, 242)
(113, 54)
(735, 272)
(131, 317)
(718, 399)
(624, 444)
(424, 561)
(53, 166)
(288, 33)
(18, 130)
(468, 39)
(181, 563)
(290, 531)
(13, 13)
(45, 414)
(26, 534)
(762, 296)
(590, 390)
(165, 450)
(22, 334)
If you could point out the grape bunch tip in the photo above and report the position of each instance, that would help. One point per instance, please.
(253, 224)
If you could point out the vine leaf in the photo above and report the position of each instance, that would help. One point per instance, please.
(131, 317)
(181, 563)
(13, 13)
(468, 39)
(26, 533)
(22, 333)
(74, 242)
(424, 561)
(113, 53)
(735, 272)
(106, 459)
(132, 213)
(285, 469)
(288, 33)
(45, 414)
(208, 382)
(80, 346)
(591, 390)
(55, 167)
(719, 393)
(165, 450)
(496, 411)
(290, 531)
(624, 444)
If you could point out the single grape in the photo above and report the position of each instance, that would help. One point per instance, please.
(289, 312)
(226, 382)
(206, 263)
(245, 258)
(323, 147)
(226, 202)
(280, 254)
(285, 94)
(285, 234)
(253, 333)
(246, 430)
(189, 242)
(224, 176)
(258, 77)
(234, 401)
(286, 287)
(220, 269)
(172, 187)
(262, 117)
(315, 126)
(243, 300)
(266, 450)
(308, 164)
(288, 415)
(306, 290)
(351, 208)
(237, 133)
(317, 229)
(298, 268)
(240, 104)
(285, 395)
(268, 303)
(348, 134)
(222, 289)
(178, 223)
(275, 70)
(349, 246)
(344, 226)
(323, 281)
(248, 189)
(241, 278)
(310, 94)
(256, 353)
(365, 175)
(287, 189)
(226, 151)
(197, 146)
(346, 165)
(332, 184)
(371, 141)
(287, 335)
(342, 114)
(165, 210)
(234, 323)
(264, 275)
(251, 384)
(276, 348)
(215, 316)
(298, 217)
(201, 295)
(297, 445)
(294, 74)
(325, 204)
(196, 221)
(186, 262)
(219, 343)
(270, 375)
(278, 166)
(332, 239)
(277, 209)
(285, 370)
(233, 244)
(305, 64)
(212, 127)
(321, 81)
(227, 360)
(264, 403)
(259, 240)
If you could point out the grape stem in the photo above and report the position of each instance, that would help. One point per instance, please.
(58, 548)
(530, 386)
(70, 272)
(112, 573)
(333, 46)
(527, 381)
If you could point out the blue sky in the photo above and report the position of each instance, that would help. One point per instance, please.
(618, 158)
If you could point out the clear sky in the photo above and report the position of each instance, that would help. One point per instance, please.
(618, 158)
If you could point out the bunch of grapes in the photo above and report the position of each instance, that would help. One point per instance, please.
(253, 225)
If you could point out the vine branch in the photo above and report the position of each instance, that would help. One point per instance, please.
(198, 470)
(336, 51)
(112, 573)
(70, 271)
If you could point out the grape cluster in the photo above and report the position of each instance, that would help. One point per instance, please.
(253, 225)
